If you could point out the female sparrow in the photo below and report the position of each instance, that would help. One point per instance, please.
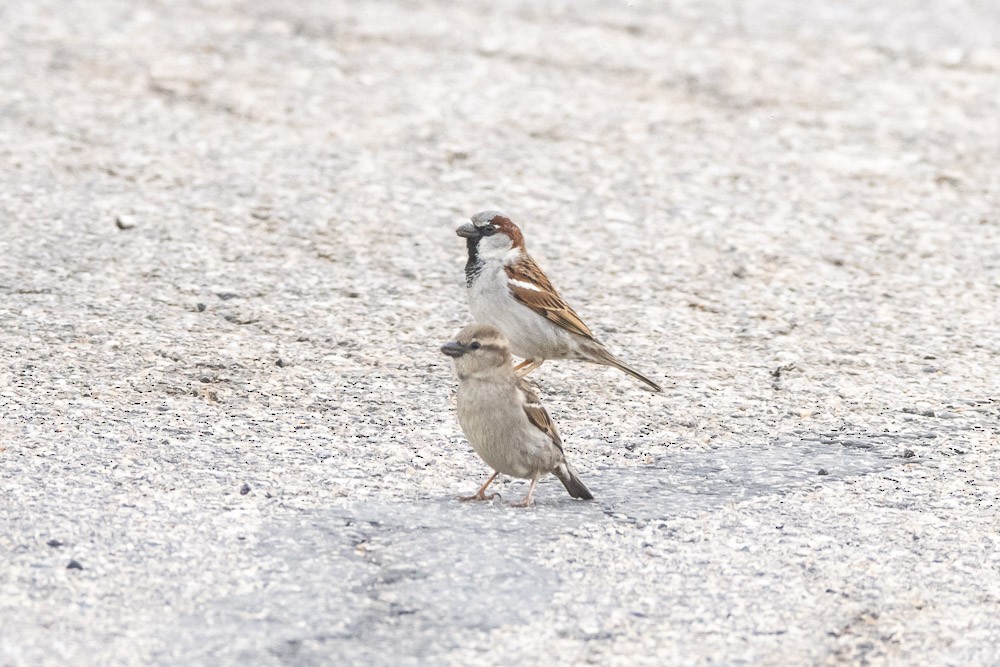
(502, 418)
(509, 291)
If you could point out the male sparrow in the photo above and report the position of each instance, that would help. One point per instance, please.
(502, 418)
(509, 291)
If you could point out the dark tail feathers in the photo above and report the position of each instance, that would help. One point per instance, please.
(568, 477)
(602, 356)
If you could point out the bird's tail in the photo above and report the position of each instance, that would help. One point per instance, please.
(602, 356)
(576, 488)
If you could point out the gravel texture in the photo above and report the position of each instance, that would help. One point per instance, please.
(227, 261)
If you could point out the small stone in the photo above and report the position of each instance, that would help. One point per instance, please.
(245, 489)
(124, 222)
(74, 565)
(280, 363)
(200, 307)
(822, 471)
(54, 543)
(909, 454)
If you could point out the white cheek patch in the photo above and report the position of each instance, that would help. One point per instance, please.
(494, 247)
(525, 285)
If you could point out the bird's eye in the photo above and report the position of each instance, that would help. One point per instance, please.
(475, 345)
(489, 230)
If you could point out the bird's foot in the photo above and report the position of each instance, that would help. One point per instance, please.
(528, 499)
(527, 366)
(478, 496)
(481, 493)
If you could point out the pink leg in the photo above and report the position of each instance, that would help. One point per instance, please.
(481, 494)
(527, 366)
(527, 501)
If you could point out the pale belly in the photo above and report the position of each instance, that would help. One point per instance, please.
(531, 336)
(501, 434)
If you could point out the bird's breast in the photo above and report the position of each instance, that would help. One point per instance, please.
(500, 432)
(530, 334)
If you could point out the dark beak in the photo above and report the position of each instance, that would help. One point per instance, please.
(468, 231)
(454, 349)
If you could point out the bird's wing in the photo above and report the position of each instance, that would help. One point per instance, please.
(537, 414)
(530, 286)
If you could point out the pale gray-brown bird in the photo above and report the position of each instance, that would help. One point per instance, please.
(502, 416)
(510, 291)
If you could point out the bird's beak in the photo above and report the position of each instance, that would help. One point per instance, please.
(468, 231)
(454, 349)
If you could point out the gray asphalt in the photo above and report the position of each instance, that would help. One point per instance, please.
(227, 261)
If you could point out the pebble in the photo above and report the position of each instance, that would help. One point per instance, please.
(125, 222)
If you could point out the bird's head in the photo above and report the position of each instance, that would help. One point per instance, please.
(478, 349)
(491, 235)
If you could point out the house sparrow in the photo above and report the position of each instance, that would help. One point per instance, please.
(509, 291)
(502, 417)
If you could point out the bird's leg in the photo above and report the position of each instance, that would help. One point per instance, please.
(481, 494)
(527, 501)
(527, 366)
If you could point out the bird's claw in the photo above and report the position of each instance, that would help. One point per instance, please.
(479, 496)
(526, 366)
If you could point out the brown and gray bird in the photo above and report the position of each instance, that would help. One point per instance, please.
(502, 417)
(510, 291)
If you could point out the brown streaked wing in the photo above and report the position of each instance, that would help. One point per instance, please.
(538, 415)
(546, 300)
